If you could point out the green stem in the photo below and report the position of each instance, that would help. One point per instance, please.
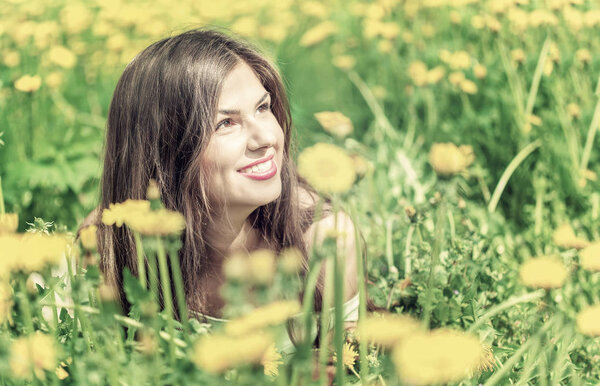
(537, 77)
(139, 248)
(435, 257)
(362, 296)
(510, 169)
(407, 260)
(589, 142)
(325, 318)
(179, 291)
(340, 260)
(26, 308)
(165, 284)
(2, 209)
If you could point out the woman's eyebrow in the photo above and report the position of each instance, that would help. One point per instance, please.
(237, 112)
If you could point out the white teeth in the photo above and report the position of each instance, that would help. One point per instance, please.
(259, 168)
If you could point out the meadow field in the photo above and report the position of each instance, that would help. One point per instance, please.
(460, 137)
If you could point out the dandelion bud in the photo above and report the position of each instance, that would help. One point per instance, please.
(88, 238)
(262, 266)
(108, 293)
(152, 193)
(411, 213)
(147, 343)
(236, 267)
(148, 308)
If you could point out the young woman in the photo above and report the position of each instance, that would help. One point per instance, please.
(207, 117)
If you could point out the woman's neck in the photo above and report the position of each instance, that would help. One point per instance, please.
(228, 235)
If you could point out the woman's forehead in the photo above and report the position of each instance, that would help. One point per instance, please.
(240, 86)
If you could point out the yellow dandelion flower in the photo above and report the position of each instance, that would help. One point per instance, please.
(88, 237)
(448, 159)
(439, 356)
(159, 222)
(314, 8)
(574, 110)
(35, 352)
(334, 122)
(477, 22)
(290, 261)
(543, 272)
(517, 55)
(327, 167)
(456, 78)
(468, 86)
(261, 266)
(75, 18)
(460, 60)
(318, 33)
(116, 214)
(11, 58)
(245, 26)
(435, 74)
(389, 30)
(385, 46)
(217, 353)
(417, 71)
(386, 330)
(62, 56)
(273, 32)
(583, 55)
(28, 83)
(480, 71)
(5, 301)
(534, 120)
(588, 320)
(564, 237)
(9, 222)
(271, 361)
(235, 267)
(348, 355)
(590, 257)
(272, 314)
(455, 17)
(54, 79)
(548, 68)
(344, 62)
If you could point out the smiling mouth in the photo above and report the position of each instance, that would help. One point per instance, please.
(261, 171)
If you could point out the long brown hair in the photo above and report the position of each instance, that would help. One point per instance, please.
(159, 123)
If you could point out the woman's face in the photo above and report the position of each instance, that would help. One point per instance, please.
(245, 153)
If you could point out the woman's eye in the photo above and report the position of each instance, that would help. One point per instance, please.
(224, 123)
(264, 107)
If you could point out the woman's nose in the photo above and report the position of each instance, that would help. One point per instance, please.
(260, 135)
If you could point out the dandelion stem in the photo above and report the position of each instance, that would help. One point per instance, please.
(2, 209)
(510, 169)
(589, 142)
(139, 248)
(407, 259)
(179, 291)
(25, 308)
(537, 77)
(340, 260)
(165, 284)
(362, 296)
(435, 257)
